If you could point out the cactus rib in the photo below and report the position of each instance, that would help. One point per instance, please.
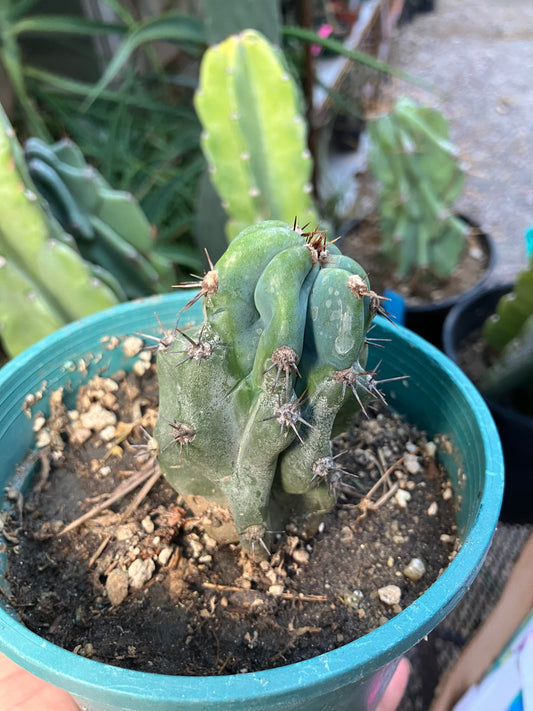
(254, 136)
(419, 179)
(259, 384)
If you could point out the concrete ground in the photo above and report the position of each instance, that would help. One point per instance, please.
(478, 54)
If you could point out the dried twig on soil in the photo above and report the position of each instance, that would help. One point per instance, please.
(44, 456)
(367, 504)
(125, 488)
(101, 548)
(284, 596)
(142, 494)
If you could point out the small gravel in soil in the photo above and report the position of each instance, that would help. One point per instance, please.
(150, 590)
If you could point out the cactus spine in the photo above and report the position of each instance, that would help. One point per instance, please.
(44, 283)
(254, 136)
(419, 179)
(249, 398)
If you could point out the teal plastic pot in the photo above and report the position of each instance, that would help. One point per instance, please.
(437, 397)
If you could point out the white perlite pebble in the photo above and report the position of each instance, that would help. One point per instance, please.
(140, 572)
(38, 423)
(97, 418)
(402, 497)
(390, 594)
(140, 367)
(415, 569)
(196, 547)
(108, 433)
(165, 555)
(148, 524)
(132, 345)
(43, 438)
(79, 435)
(411, 463)
(433, 509)
(116, 586)
(431, 449)
(300, 556)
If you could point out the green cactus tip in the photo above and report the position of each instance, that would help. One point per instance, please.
(254, 136)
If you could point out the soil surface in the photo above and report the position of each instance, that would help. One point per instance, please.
(139, 584)
(363, 244)
(474, 357)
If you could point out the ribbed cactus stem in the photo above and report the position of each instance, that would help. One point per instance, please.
(419, 179)
(511, 312)
(254, 135)
(249, 398)
(509, 333)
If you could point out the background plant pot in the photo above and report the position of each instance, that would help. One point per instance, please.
(515, 429)
(427, 319)
(349, 678)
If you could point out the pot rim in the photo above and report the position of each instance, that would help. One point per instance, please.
(354, 660)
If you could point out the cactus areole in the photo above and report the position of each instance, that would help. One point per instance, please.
(249, 397)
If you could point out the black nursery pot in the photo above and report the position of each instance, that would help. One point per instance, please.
(515, 429)
(428, 319)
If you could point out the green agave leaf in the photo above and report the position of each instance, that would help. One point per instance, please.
(75, 87)
(120, 11)
(64, 24)
(223, 19)
(305, 35)
(172, 27)
(181, 254)
(16, 8)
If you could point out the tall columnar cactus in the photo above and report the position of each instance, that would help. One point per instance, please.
(249, 398)
(109, 226)
(419, 179)
(44, 283)
(254, 135)
(509, 332)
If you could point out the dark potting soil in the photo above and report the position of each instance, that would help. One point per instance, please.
(139, 584)
(474, 357)
(363, 243)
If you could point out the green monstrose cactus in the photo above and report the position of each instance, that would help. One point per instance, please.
(254, 135)
(44, 283)
(249, 397)
(419, 179)
(509, 332)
